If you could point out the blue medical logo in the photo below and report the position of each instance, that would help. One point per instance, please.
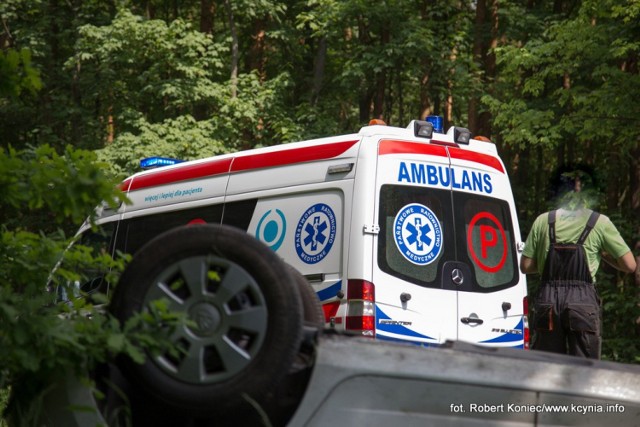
(315, 233)
(272, 228)
(417, 233)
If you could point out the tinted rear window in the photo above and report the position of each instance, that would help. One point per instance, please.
(423, 228)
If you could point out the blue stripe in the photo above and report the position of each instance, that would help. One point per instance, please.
(509, 338)
(330, 292)
(395, 329)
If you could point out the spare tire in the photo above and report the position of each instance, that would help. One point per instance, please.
(246, 310)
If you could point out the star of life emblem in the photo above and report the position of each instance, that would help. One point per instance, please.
(417, 233)
(315, 233)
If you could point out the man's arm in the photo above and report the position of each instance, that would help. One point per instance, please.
(528, 265)
(626, 263)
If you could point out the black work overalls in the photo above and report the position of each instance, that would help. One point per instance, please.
(567, 312)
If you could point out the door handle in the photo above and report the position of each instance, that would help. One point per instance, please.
(474, 320)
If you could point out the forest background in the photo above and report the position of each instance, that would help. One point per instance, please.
(549, 81)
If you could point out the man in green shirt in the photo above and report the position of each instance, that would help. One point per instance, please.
(565, 246)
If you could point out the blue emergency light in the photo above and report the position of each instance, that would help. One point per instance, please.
(437, 122)
(156, 162)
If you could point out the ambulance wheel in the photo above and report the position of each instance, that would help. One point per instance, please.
(246, 317)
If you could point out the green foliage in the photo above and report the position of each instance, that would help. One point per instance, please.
(17, 73)
(40, 338)
(565, 85)
(4, 399)
(620, 303)
(48, 31)
(620, 311)
(251, 119)
(43, 189)
(168, 96)
(257, 116)
(407, 50)
(137, 68)
(182, 138)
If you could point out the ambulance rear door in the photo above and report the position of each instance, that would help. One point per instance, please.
(445, 253)
(485, 273)
(414, 242)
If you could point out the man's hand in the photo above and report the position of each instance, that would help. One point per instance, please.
(528, 265)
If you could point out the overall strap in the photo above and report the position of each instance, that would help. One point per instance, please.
(590, 224)
(552, 227)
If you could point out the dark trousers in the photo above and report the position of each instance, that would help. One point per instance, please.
(567, 319)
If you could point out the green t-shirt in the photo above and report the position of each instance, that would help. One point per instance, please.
(569, 225)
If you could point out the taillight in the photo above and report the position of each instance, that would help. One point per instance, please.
(525, 322)
(361, 310)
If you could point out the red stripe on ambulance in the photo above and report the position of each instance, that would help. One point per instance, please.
(187, 171)
(290, 156)
(485, 159)
(405, 147)
(181, 173)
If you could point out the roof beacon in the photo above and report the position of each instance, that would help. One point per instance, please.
(436, 121)
(156, 162)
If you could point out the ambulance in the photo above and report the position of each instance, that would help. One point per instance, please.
(405, 234)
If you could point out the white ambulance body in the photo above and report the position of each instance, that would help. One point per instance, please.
(404, 233)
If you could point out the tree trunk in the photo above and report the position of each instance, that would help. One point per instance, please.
(381, 78)
(635, 180)
(149, 10)
(234, 50)
(400, 97)
(540, 193)
(448, 105)
(207, 12)
(485, 40)
(635, 202)
(318, 70)
(378, 99)
(257, 58)
(364, 103)
(490, 69)
(366, 94)
(426, 106)
(479, 53)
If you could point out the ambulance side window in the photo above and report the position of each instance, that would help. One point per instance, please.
(140, 230)
(238, 214)
(406, 255)
(486, 240)
(100, 241)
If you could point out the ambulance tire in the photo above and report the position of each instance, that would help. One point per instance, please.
(248, 320)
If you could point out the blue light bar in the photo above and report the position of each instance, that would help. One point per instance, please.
(156, 162)
(437, 123)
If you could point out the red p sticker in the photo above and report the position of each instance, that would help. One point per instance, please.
(490, 236)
